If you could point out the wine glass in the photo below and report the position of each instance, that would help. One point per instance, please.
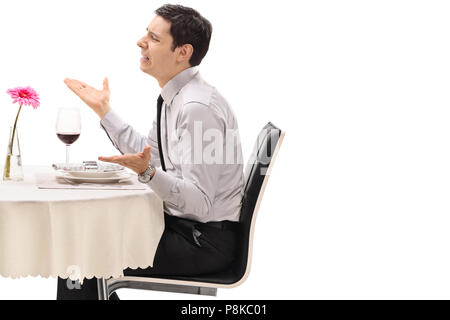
(68, 127)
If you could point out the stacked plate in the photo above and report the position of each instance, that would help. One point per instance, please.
(80, 174)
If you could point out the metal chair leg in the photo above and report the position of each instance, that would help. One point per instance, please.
(102, 289)
(129, 283)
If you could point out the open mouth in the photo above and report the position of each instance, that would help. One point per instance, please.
(145, 59)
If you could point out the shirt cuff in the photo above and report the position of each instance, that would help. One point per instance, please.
(161, 183)
(111, 121)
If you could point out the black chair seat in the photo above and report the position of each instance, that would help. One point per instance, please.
(225, 278)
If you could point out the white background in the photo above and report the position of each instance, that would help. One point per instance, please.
(357, 205)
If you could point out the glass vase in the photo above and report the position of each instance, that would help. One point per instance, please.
(13, 163)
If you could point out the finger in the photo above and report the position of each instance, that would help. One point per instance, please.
(113, 159)
(69, 83)
(146, 150)
(74, 89)
(104, 159)
(72, 82)
(121, 161)
(106, 84)
(75, 85)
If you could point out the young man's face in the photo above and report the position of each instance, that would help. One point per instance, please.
(158, 59)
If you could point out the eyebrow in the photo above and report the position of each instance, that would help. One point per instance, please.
(153, 34)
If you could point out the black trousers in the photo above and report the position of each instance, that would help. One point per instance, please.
(186, 248)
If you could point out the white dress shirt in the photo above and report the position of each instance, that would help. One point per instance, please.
(201, 148)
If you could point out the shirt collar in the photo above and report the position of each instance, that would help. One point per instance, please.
(170, 90)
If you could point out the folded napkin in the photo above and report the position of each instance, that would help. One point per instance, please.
(88, 166)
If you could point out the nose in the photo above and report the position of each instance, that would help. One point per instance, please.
(141, 44)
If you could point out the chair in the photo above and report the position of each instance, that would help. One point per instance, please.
(256, 176)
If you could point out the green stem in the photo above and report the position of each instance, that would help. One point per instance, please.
(7, 169)
(14, 130)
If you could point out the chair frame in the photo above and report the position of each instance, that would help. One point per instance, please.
(108, 286)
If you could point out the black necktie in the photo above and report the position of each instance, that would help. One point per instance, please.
(158, 122)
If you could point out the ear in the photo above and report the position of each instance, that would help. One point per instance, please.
(185, 52)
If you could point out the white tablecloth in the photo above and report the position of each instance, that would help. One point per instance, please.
(76, 233)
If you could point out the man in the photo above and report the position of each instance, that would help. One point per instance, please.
(200, 189)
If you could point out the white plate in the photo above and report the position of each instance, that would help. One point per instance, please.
(93, 174)
(112, 179)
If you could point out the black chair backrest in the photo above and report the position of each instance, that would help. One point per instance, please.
(255, 173)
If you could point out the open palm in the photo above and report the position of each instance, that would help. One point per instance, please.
(98, 100)
(137, 162)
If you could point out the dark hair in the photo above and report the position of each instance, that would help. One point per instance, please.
(188, 27)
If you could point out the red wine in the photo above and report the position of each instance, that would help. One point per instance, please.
(68, 138)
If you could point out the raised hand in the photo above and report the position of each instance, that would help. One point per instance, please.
(97, 100)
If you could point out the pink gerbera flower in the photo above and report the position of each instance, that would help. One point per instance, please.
(25, 96)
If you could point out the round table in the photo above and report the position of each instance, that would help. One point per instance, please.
(74, 233)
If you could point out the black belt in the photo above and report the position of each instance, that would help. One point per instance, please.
(223, 225)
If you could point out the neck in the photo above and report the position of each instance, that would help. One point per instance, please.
(162, 81)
